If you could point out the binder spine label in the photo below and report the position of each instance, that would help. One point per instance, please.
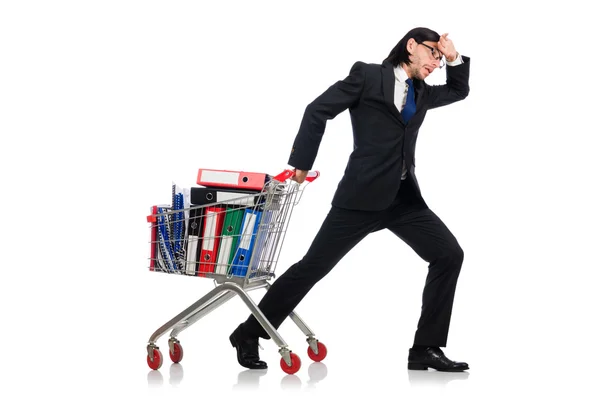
(220, 177)
(248, 232)
(211, 228)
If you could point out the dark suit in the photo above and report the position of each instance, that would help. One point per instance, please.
(371, 195)
(381, 139)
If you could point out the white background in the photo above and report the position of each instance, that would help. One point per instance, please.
(104, 103)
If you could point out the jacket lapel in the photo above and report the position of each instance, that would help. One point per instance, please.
(389, 84)
(419, 94)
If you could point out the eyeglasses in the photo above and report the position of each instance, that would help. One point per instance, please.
(433, 50)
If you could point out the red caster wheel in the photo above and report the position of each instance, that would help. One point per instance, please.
(296, 363)
(156, 361)
(177, 353)
(321, 355)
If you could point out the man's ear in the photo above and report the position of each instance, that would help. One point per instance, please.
(410, 45)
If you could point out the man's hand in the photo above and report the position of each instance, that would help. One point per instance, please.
(446, 47)
(299, 175)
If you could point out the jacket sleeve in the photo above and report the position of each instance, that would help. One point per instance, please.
(337, 98)
(455, 89)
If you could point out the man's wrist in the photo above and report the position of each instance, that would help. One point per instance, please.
(456, 61)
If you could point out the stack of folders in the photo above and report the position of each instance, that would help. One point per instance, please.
(225, 213)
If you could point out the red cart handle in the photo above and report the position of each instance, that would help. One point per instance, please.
(287, 174)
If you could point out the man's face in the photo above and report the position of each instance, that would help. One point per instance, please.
(425, 58)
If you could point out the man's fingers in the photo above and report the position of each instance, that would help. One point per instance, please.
(445, 44)
(443, 39)
(299, 176)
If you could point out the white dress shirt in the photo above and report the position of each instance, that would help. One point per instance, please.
(401, 92)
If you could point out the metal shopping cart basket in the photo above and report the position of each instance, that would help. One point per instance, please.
(235, 242)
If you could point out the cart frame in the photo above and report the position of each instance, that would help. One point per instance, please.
(227, 286)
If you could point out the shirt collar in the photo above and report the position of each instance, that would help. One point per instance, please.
(400, 74)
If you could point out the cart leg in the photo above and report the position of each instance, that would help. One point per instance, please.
(317, 350)
(206, 309)
(213, 295)
(290, 361)
(214, 303)
(260, 317)
(302, 325)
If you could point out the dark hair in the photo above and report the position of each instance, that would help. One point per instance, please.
(399, 54)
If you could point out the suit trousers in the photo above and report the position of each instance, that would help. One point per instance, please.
(414, 223)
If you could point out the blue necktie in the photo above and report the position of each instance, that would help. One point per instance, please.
(410, 107)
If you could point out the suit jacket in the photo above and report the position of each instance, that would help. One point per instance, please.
(381, 139)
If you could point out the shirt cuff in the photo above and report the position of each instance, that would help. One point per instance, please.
(457, 61)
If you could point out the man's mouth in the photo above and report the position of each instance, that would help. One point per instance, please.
(429, 69)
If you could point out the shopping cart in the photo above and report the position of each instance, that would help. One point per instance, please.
(236, 243)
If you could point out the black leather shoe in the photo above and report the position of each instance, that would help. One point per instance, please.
(433, 357)
(247, 350)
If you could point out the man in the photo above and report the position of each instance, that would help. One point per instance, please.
(379, 190)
